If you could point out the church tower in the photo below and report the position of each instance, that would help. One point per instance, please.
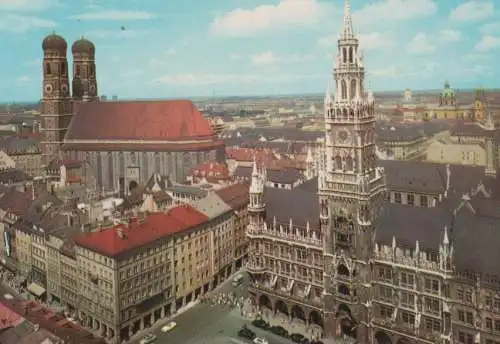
(56, 108)
(84, 72)
(351, 191)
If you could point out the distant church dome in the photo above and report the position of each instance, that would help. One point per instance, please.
(54, 42)
(83, 46)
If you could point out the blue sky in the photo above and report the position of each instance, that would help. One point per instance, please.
(188, 48)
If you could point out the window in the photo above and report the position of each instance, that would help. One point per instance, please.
(397, 197)
(497, 325)
(460, 294)
(407, 299)
(407, 280)
(465, 338)
(489, 324)
(489, 301)
(385, 293)
(386, 312)
(468, 296)
(431, 285)
(432, 305)
(408, 318)
(410, 199)
(423, 201)
(461, 316)
(432, 325)
(470, 318)
(385, 274)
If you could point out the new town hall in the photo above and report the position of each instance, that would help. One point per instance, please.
(383, 252)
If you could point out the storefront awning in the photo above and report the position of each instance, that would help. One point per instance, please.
(36, 290)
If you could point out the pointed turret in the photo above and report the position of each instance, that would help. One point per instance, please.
(347, 30)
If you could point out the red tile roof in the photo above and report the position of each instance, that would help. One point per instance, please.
(167, 120)
(136, 234)
(144, 147)
(8, 318)
(249, 154)
(212, 170)
(235, 195)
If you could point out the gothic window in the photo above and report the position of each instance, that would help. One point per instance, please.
(63, 68)
(353, 88)
(48, 70)
(343, 290)
(338, 162)
(92, 69)
(344, 112)
(350, 55)
(77, 70)
(343, 88)
(342, 270)
(344, 55)
(157, 163)
(133, 158)
(349, 163)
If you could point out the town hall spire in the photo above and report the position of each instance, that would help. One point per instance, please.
(347, 30)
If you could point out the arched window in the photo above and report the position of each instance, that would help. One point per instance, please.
(342, 270)
(77, 70)
(338, 162)
(344, 55)
(350, 55)
(63, 68)
(343, 290)
(48, 70)
(343, 86)
(92, 69)
(353, 88)
(349, 163)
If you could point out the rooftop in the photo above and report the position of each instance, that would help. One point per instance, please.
(125, 237)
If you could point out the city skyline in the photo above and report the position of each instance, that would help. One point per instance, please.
(243, 48)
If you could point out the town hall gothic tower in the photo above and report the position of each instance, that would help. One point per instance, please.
(351, 192)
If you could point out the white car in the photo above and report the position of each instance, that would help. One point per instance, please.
(260, 340)
(168, 327)
(148, 339)
(8, 297)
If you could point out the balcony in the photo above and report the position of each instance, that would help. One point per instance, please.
(254, 267)
(284, 236)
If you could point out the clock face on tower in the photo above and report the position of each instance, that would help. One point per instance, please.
(343, 135)
(48, 88)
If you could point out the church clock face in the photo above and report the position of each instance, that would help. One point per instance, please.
(64, 89)
(48, 89)
(343, 135)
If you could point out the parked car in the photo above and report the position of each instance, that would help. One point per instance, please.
(260, 340)
(148, 339)
(260, 324)
(168, 327)
(280, 331)
(317, 342)
(8, 297)
(246, 333)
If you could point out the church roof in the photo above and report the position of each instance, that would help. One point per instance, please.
(163, 120)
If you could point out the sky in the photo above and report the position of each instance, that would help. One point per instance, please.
(186, 48)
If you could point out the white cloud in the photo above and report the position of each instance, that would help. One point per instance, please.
(368, 41)
(265, 59)
(248, 22)
(488, 43)
(23, 80)
(114, 15)
(208, 79)
(391, 72)
(449, 35)
(376, 41)
(472, 10)
(25, 5)
(394, 10)
(114, 33)
(420, 45)
(490, 28)
(20, 24)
